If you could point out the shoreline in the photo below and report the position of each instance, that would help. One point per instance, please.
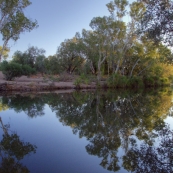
(40, 86)
(39, 83)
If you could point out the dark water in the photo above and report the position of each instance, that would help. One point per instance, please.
(87, 132)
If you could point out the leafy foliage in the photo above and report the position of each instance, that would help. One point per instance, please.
(12, 70)
(70, 55)
(13, 21)
(113, 48)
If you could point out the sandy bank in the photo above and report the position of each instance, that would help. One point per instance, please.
(38, 83)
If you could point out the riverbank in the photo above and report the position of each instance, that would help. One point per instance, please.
(40, 83)
(37, 83)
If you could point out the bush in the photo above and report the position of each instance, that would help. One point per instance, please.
(27, 70)
(77, 82)
(84, 78)
(135, 82)
(112, 80)
(81, 79)
(155, 81)
(117, 81)
(12, 70)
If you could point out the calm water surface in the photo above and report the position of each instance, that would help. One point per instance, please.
(87, 132)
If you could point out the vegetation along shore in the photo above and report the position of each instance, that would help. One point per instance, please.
(114, 53)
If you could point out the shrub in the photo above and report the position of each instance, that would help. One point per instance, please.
(84, 78)
(135, 82)
(122, 82)
(27, 70)
(77, 82)
(113, 80)
(117, 81)
(11, 70)
(154, 81)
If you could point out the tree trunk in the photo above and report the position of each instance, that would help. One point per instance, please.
(118, 66)
(133, 68)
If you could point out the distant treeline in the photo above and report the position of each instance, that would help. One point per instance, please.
(123, 53)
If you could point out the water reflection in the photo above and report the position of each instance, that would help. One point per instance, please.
(147, 158)
(32, 105)
(110, 121)
(12, 151)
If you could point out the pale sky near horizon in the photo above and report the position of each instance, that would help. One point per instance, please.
(58, 20)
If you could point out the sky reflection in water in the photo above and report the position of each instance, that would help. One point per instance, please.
(109, 126)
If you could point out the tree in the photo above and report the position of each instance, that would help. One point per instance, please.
(70, 55)
(111, 36)
(29, 57)
(52, 65)
(40, 64)
(18, 57)
(13, 21)
(90, 49)
(32, 53)
(157, 20)
(98, 24)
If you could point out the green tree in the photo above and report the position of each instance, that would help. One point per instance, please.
(18, 57)
(40, 64)
(90, 49)
(52, 65)
(29, 57)
(70, 55)
(13, 21)
(99, 26)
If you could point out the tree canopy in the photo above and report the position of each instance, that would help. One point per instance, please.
(13, 21)
(125, 53)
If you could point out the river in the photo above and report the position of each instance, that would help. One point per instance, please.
(87, 132)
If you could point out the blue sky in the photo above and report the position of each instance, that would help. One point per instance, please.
(58, 20)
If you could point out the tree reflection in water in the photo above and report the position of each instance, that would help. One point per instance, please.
(113, 120)
(12, 150)
(147, 158)
(33, 106)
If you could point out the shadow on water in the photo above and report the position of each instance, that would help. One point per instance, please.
(12, 151)
(110, 121)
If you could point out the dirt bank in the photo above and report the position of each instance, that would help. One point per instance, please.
(39, 83)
